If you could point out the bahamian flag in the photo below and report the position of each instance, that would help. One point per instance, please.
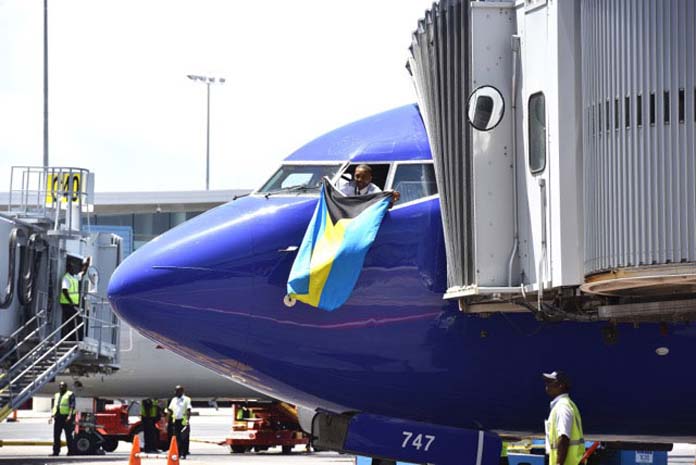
(333, 250)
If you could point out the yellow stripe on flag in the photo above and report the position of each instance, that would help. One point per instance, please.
(322, 259)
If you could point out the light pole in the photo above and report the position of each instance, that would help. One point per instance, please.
(207, 80)
(45, 86)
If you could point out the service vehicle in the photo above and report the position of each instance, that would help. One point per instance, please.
(262, 425)
(105, 429)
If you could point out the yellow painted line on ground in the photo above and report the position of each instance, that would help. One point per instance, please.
(203, 441)
(20, 442)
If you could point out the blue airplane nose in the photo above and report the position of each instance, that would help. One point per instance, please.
(195, 283)
(193, 273)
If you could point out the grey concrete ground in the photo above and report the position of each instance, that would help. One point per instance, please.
(208, 428)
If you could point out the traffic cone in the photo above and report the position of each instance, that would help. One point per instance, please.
(173, 453)
(135, 451)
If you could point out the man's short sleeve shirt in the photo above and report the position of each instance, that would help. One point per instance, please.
(351, 189)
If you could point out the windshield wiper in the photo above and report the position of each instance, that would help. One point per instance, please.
(296, 188)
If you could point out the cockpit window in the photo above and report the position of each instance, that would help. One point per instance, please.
(414, 181)
(298, 178)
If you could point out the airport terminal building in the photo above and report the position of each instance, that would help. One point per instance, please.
(139, 217)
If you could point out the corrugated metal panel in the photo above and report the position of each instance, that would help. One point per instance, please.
(639, 99)
(439, 64)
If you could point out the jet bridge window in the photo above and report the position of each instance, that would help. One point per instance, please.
(537, 133)
(298, 177)
(414, 181)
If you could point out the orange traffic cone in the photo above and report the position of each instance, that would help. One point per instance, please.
(135, 451)
(173, 454)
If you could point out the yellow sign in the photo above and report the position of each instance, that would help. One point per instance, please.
(63, 186)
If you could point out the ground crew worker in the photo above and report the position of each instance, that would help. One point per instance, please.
(179, 415)
(149, 415)
(62, 416)
(239, 413)
(504, 454)
(244, 413)
(69, 295)
(565, 443)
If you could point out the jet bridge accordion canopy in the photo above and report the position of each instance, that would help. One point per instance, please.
(440, 65)
(639, 108)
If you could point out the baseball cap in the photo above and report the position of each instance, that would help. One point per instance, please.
(559, 376)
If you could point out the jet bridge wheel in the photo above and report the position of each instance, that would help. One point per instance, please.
(239, 449)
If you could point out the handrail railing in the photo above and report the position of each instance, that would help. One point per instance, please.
(15, 349)
(44, 343)
(45, 354)
(35, 380)
(12, 337)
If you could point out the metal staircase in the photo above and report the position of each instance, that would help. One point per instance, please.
(42, 231)
(40, 364)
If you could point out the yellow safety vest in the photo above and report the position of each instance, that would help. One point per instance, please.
(61, 405)
(186, 407)
(73, 291)
(504, 450)
(576, 447)
(150, 412)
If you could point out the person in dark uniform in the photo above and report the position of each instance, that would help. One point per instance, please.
(70, 295)
(63, 414)
(149, 415)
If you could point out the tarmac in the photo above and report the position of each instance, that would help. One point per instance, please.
(208, 428)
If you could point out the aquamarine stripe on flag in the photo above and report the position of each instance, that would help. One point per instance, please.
(348, 262)
(298, 281)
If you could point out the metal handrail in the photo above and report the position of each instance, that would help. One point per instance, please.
(55, 347)
(42, 375)
(11, 337)
(44, 342)
(27, 338)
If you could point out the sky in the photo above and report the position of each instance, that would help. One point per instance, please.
(120, 103)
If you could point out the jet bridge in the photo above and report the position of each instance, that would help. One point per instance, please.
(40, 232)
(563, 138)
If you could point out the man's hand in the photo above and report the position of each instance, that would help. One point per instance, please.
(50, 420)
(86, 264)
(395, 196)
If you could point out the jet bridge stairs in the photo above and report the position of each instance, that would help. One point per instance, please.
(38, 351)
(41, 230)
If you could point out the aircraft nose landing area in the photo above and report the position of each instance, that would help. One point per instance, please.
(191, 274)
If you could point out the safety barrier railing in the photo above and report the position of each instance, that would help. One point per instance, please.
(12, 346)
(11, 397)
(98, 310)
(47, 192)
(42, 349)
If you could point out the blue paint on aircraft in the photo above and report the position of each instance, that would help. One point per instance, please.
(212, 290)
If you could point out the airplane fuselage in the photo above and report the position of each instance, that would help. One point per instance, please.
(212, 290)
